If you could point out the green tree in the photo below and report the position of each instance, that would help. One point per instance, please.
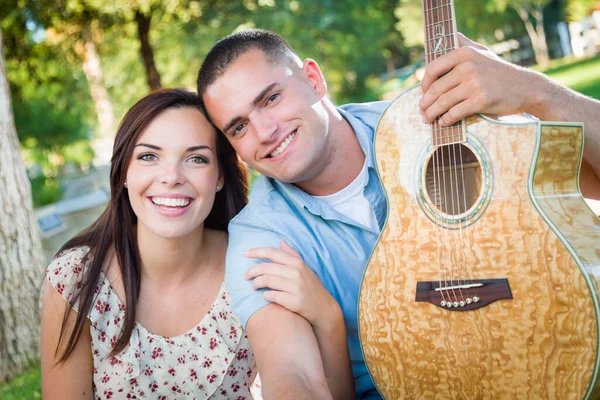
(579, 9)
(50, 97)
(531, 13)
(353, 41)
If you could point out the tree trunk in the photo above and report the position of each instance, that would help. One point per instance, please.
(152, 75)
(536, 34)
(104, 110)
(542, 45)
(21, 257)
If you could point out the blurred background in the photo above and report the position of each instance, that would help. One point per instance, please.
(71, 68)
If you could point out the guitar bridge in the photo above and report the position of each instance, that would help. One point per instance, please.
(463, 295)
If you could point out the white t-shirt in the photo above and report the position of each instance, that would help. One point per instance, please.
(351, 201)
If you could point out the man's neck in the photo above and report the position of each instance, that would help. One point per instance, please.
(345, 161)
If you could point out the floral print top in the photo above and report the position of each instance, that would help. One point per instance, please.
(212, 360)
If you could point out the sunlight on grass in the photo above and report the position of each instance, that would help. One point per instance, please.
(26, 386)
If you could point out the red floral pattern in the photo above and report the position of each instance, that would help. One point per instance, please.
(212, 360)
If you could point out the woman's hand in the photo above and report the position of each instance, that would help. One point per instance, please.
(296, 287)
(293, 285)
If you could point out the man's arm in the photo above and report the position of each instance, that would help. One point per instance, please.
(287, 355)
(472, 80)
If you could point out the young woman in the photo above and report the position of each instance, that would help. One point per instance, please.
(135, 307)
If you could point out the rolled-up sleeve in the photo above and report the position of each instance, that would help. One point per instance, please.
(246, 234)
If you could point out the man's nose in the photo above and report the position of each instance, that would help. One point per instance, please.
(265, 126)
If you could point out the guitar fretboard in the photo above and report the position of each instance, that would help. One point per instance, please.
(440, 33)
(440, 38)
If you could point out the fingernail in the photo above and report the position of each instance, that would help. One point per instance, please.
(424, 119)
(421, 111)
(441, 122)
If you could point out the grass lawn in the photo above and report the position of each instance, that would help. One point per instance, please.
(26, 386)
(580, 75)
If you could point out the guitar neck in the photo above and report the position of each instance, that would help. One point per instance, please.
(440, 38)
(440, 28)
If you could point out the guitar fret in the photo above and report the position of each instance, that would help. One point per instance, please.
(435, 38)
(457, 134)
(438, 7)
(439, 22)
(439, 53)
(445, 129)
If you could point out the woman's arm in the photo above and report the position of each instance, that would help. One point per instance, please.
(296, 287)
(72, 379)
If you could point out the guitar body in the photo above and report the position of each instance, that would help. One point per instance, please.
(524, 221)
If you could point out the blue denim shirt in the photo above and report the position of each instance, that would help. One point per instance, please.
(334, 246)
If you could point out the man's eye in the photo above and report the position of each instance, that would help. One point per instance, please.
(147, 157)
(272, 97)
(238, 129)
(198, 159)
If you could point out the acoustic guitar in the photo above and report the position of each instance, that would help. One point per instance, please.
(484, 282)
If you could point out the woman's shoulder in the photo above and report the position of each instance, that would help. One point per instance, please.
(65, 272)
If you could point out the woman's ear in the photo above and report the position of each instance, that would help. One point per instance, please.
(220, 183)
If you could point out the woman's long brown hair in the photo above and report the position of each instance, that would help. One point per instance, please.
(116, 226)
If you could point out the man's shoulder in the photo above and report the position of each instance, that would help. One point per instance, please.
(266, 204)
(364, 111)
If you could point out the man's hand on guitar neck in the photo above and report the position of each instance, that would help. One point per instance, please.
(472, 79)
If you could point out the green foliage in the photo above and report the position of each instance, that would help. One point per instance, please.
(49, 122)
(25, 386)
(353, 41)
(45, 190)
(480, 20)
(579, 9)
(356, 42)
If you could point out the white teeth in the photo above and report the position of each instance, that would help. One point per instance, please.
(283, 145)
(170, 202)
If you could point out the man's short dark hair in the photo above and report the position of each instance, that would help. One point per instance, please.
(228, 49)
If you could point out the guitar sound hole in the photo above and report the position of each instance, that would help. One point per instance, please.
(453, 179)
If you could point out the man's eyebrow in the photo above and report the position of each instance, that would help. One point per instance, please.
(262, 94)
(231, 123)
(256, 100)
(189, 149)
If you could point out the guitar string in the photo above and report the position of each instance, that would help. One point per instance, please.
(436, 189)
(447, 245)
(467, 243)
(458, 264)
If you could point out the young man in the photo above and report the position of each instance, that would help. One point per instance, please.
(319, 191)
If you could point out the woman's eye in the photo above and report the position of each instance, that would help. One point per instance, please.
(147, 157)
(272, 97)
(198, 160)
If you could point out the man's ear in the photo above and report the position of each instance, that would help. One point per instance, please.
(315, 76)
